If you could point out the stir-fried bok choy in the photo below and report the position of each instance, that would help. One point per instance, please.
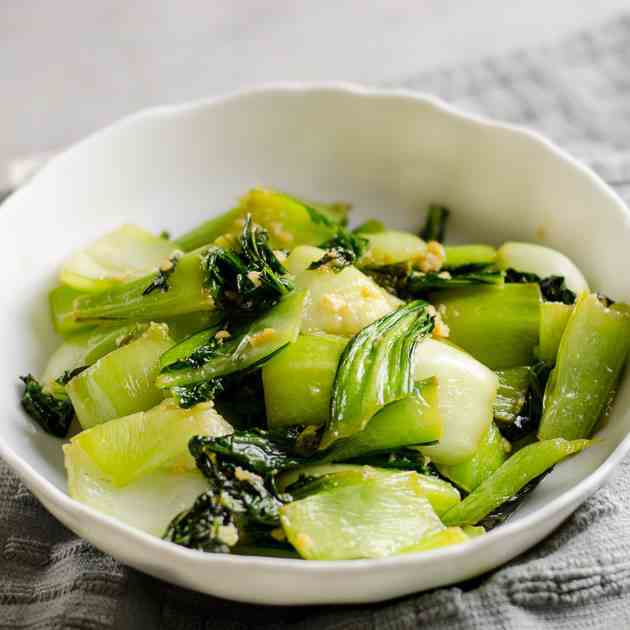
(276, 382)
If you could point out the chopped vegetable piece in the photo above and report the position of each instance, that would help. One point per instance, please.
(249, 280)
(525, 423)
(440, 494)
(491, 454)
(473, 531)
(466, 394)
(371, 226)
(497, 325)
(463, 255)
(524, 466)
(187, 294)
(309, 365)
(287, 220)
(238, 506)
(61, 301)
(257, 450)
(511, 393)
(441, 538)
(553, 320)
(371, 519)
(409, 421)
(542, 261)
(552, 288)
(376, 368)
(122, 382)
(126, 253)
(592, 352)
(51, 410)
(407, 283)
(342, 250)
(390, 247)
(218, 356)
(149, 503)
(183, 326)
(339, 303)
(132, 446)
(435, 224)
(84, 348)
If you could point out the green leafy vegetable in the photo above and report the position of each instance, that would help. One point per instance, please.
(189, 395)
(207, 526)
(498, 325)
(249, 280)
(527, 419)
(525, 465)
(127, 301)
(357, 517)
(68, 375)
(376, 368)
(53, 412)
(592, 353)
(257, 450)
(409, 421)
(462, 255)
(342, 250)
(238, 499)
(406, 282)
(205, 357)
(435, 224)
(286, 218)
(371, 226)
(552, 288)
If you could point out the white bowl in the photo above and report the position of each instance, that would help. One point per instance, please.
(390, 153)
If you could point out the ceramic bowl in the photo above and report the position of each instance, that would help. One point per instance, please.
(388, 152)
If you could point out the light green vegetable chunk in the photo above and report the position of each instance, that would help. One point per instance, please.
(309, 365)
(542, 261)
(407, 422)
(149, 503)
(592, 352)
(490, 456)
(339, 303)
(525, 465)
(498, 325)
(286, 219)
(186, 294)
(61, 300)
(183, 326)
(441, 495)
(84, 348)
(511, 393)
(132, 446)
(390, 247)
(275, 329)
(473, 531)
(372, 519)
(126, 253)
(122, 382)
(466, 394)
(459, 255)
(553, 320)
(441, 538)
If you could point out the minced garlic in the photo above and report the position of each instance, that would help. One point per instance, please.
(261, 336)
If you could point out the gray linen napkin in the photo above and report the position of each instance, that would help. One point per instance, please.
(579, 94)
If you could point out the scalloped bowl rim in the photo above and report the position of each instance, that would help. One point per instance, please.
(51, 495)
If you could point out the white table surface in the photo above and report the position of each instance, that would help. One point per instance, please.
(68, 67)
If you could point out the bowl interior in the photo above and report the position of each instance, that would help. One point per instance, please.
(390, 155)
